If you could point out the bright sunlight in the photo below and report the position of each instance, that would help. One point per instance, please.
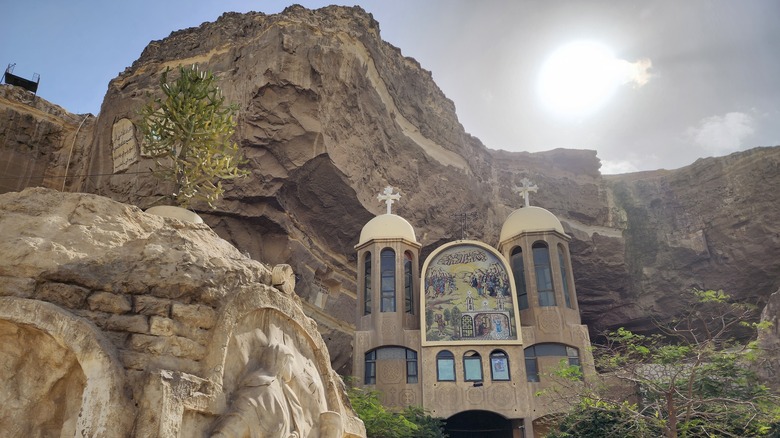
(580, 77)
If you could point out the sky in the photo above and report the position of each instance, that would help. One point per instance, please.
(647, 84)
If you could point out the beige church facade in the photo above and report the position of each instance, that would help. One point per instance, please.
(471, 333)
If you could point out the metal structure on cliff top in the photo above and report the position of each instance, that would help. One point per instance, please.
(27, 84)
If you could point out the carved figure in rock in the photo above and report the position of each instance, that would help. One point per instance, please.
(265, 405)
(268, 403)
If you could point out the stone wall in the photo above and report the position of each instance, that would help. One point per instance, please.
(145, 326)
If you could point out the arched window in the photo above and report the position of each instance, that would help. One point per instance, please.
(540, 350)
(408, 283)
(367, 284)
(472, 366)
(518, 272)
(387, 271)
(544, 284)
(394, 355)
(370, 371)
(499, 365)
(564, 278)
(445, 366)
(411, 366)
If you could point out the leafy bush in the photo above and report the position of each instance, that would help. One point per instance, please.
(412, 422)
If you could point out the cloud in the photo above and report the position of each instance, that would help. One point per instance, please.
(637, 73)
(722, 134)
(487, 95)
(610, 167)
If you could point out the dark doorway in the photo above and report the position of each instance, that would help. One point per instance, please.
(478, 424)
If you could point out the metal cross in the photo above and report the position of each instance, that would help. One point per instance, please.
(525, 189)
(389, 197)
(464, 218)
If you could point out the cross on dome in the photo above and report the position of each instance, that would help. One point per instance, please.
(389, 197)
(525, 189)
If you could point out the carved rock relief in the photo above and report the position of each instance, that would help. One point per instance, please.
(273, 387)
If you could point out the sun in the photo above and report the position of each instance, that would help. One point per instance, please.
(579, 78)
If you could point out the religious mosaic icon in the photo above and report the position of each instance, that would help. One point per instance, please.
(468, 296)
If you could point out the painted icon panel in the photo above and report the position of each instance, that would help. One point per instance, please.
(468, 296)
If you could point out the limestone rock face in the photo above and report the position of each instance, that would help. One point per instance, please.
(145, 326)
(710, 225)
(329, 114)
(42, 144)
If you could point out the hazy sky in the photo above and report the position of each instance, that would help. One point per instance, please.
(648, 84)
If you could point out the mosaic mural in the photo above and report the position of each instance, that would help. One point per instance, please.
(468, 296)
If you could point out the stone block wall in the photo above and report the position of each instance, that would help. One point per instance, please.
(118, 323)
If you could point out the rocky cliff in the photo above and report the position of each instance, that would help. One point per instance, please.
(42, 143)
(330, 114)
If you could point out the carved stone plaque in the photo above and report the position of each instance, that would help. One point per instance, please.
(124, 149)
(448, 397)
(389, 329)
(475, 396)
(549, 322)
(408, 397)
(391, 371)
(502, 397)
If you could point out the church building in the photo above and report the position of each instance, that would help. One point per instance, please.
(473, 335)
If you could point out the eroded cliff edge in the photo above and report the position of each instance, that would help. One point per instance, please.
(330, 114)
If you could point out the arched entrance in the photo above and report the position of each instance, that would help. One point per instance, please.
(478, 424)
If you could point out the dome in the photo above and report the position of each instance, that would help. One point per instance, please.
(387, 226)
(528, 219)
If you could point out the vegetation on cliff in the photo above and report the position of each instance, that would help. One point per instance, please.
(189, 133)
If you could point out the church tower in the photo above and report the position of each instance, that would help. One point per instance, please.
(533, 240)
(387, 337)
